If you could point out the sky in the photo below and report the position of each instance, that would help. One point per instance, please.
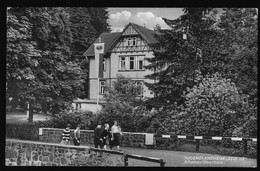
(148, 17)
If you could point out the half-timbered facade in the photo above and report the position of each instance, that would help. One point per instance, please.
(124, 53)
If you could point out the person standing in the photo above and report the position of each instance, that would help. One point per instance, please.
(76, 138)
(115, 133)
(66, 135)
(105, 135)
(98, 141)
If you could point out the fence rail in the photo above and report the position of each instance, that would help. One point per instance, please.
(198, 138)
(127, 156)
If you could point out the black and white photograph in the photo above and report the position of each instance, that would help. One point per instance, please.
(131, 87)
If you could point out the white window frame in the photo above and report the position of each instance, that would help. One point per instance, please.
(120, 63)
(102, 85)
(134, 62)
(134, 42)
(140, 58)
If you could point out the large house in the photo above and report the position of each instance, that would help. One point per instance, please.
(124, 54)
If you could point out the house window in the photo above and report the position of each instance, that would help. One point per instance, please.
(122, 63)
(104, 64)
(132, 63)
(129, 42)
(134, 42)
(102, 86)
(139, 85)
(140, 62)
(140, 65)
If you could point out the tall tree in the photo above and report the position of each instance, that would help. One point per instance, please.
(86, 25)
(21, 56)
(43, 74)
(99, 20)
(240, 41)
(82, 31)
(179, 61)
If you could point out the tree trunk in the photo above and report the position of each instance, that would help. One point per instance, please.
(30, 119)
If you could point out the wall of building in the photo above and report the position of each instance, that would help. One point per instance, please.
(93, 89)
(131, 74)
(135, 75)
(85, 105)
(127, 140)
(92, 67)
(31, 153)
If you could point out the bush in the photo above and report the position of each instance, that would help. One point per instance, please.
(124, 104)
(83, 118)
(216, 107)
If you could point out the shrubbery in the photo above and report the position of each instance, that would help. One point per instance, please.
(84, 118)
(215, 107)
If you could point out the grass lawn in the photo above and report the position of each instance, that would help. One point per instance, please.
(21, 117)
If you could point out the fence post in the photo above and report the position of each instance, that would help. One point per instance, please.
(245, 146)
(197, 145)
(125, 160)
(162, 163)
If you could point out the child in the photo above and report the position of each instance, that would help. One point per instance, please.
(66, 135)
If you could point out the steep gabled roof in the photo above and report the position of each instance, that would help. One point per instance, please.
(146, 33)
(110, 39)
(107, 38)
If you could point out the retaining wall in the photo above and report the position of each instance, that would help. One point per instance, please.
(87, 137)
(29, 153)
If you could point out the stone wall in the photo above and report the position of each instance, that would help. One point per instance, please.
(29, 153)
(27, 131)
(127, 139)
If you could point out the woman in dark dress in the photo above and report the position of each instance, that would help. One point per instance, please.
(105, 136)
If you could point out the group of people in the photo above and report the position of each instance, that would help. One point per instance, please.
(66, 136)
(103, 136)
